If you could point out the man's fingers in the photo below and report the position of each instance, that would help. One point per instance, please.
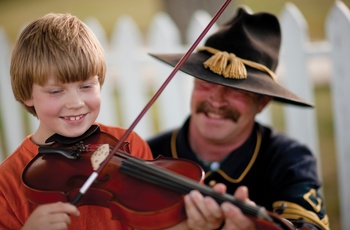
(242, 194)
(203, 212)
(220, 188)
(234, 218)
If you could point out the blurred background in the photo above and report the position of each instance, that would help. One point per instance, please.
(14, 14)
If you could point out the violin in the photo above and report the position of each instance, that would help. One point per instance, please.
(164, 181)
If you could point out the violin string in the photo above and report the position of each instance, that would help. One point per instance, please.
(154, 180)
(176, 182)
(184, 189)
(171, 180)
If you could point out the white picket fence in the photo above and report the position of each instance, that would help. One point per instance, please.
(133, 76)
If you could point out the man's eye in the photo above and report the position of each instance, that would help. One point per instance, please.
(203, 86)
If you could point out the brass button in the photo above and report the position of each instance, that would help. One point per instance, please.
(212, 183)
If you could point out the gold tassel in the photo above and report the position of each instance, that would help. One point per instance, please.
(235, 69)
(217, 63)
(231, 66)
(227, 65)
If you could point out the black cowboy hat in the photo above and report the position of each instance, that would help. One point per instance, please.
(242, 54)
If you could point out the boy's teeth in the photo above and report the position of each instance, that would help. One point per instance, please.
(74, 118)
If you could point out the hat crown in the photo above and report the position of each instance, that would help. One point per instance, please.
(255, 37)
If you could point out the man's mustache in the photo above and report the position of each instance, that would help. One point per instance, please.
(224, 111)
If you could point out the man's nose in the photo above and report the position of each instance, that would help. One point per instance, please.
(218, 95)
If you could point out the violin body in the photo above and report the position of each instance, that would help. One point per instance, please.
(51, 177)
(59, 171)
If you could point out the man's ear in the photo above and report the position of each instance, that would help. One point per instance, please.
(263, 101)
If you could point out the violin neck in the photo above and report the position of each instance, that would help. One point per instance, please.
(178, 183)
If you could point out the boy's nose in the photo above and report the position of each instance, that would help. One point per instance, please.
(74, 101)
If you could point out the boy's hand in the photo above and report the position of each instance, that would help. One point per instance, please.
(55, 216)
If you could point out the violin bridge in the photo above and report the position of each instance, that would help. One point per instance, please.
(99, 156)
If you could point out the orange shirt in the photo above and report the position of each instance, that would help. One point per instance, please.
(14, 206)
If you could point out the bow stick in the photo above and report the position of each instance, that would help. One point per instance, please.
(95, 173)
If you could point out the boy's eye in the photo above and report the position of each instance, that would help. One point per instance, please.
(86, 86)
(55, 91)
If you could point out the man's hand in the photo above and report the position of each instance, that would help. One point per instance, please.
(205, 213)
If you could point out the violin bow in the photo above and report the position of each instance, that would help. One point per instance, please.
(95, 173)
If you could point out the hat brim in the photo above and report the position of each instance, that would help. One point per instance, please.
(256, 81)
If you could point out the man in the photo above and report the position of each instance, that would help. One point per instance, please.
(234, 81)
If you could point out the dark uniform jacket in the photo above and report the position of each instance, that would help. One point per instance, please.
(280, 173)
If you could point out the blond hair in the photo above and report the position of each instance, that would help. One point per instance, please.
(60, 45)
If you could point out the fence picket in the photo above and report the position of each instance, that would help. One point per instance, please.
(172, 105)
(131, 84)
(338, 33)
(11, 111)
(294, 56)
(107, 114)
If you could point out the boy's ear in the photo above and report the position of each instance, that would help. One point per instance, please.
(29, 102)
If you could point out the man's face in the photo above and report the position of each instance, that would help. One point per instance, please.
(221, 113)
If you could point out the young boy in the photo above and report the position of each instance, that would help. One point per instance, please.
(57, 70)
